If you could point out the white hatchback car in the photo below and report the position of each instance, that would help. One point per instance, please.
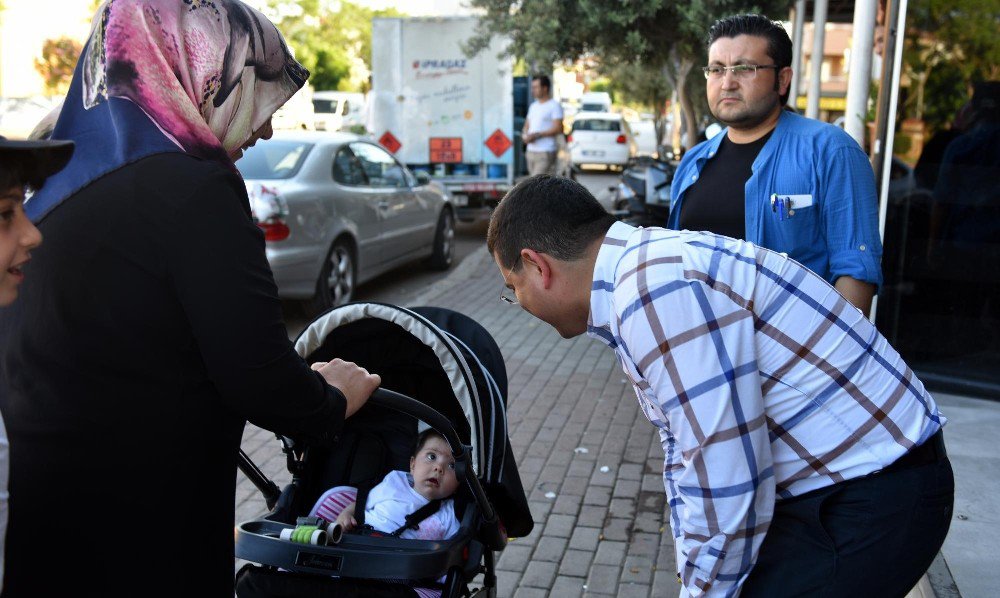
(600, 139)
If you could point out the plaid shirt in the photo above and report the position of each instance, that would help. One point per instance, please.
(763, 381)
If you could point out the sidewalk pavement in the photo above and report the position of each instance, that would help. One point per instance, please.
(591, 465)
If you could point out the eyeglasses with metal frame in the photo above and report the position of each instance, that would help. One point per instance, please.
(509, 300)
(739, 71)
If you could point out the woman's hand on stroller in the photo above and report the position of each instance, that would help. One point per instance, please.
(354, 382)
(346, 517)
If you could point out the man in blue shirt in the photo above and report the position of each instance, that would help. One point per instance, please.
(774, 178)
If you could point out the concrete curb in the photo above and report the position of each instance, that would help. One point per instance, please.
(940, 579)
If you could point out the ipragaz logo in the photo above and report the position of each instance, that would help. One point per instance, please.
(444, 64)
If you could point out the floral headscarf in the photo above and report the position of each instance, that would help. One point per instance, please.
(205, 71)
(196, 76)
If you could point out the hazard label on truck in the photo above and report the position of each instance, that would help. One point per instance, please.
(446, 149)
(389, 142)
(498, 143)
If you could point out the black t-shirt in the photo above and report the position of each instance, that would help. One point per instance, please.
(715, 202)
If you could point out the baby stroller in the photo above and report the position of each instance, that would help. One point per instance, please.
(448, 373)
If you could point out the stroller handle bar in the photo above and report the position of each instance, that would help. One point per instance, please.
(404, 404)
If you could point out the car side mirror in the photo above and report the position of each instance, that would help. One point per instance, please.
(422, 177)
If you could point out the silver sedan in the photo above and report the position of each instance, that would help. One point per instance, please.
(337, 210)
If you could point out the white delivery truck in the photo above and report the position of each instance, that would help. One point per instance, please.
(443, 114)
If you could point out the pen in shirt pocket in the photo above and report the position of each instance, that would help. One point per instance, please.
(782, 206)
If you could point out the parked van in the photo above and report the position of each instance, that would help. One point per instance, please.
(297, 113)
(595, 101)
(338, 110)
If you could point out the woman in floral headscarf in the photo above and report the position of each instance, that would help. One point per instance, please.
(150, 328)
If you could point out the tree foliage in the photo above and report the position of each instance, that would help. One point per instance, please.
(950, 46)
(328, 37)
(59, 57)
(644, 40)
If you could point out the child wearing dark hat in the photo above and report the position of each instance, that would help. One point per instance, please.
(24, 166)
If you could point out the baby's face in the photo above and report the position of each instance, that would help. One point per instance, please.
(433, 470)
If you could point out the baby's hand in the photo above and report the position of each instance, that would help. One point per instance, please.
(346, 517)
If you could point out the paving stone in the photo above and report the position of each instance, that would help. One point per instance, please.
(630, 471)
(507, 583)
(610, 553)
(575, 486)
(550, 549)
(634, 590)
(540, 509)
(539, 574)
(626, 489)
(650, 523)
(603, 579)
(644, 544)
(560, 526)
(584, 538)
(514, 557)
(665, 583)
(622, 507)
(528, 592)
(576, 563)
(597, 495)
(617, 529)
(637, 569)
(568, 587)
(654, 501)
(603, 478)
(567, 504)
(592, 516)
(652, 483)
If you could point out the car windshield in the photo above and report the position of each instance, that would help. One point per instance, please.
(273, 159)
(325, 106)
(593, 108)
(596, 124)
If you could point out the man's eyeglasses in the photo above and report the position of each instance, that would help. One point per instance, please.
(739, 71)
(506, 295)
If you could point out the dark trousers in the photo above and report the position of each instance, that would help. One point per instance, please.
(871, 536)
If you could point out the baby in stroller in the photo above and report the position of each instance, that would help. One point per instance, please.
(414, 505)
(394, 506)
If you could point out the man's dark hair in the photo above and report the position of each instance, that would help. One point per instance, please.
(544, 81)
(779, 45)
(19, 170)
(551, 215)
(424, 436)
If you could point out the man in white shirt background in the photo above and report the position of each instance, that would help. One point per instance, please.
(542, 128)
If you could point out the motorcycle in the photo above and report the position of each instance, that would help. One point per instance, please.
(642, 198)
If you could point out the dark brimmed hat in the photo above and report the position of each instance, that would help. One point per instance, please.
(45, 157)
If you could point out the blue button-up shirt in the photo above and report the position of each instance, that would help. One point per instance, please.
(831, 226)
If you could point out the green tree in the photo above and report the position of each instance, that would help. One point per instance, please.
(659, 38)
(326, 37)
(59, 57)
(949, 47)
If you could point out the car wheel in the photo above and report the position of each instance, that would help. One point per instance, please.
(444, 242)
(335, 285)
